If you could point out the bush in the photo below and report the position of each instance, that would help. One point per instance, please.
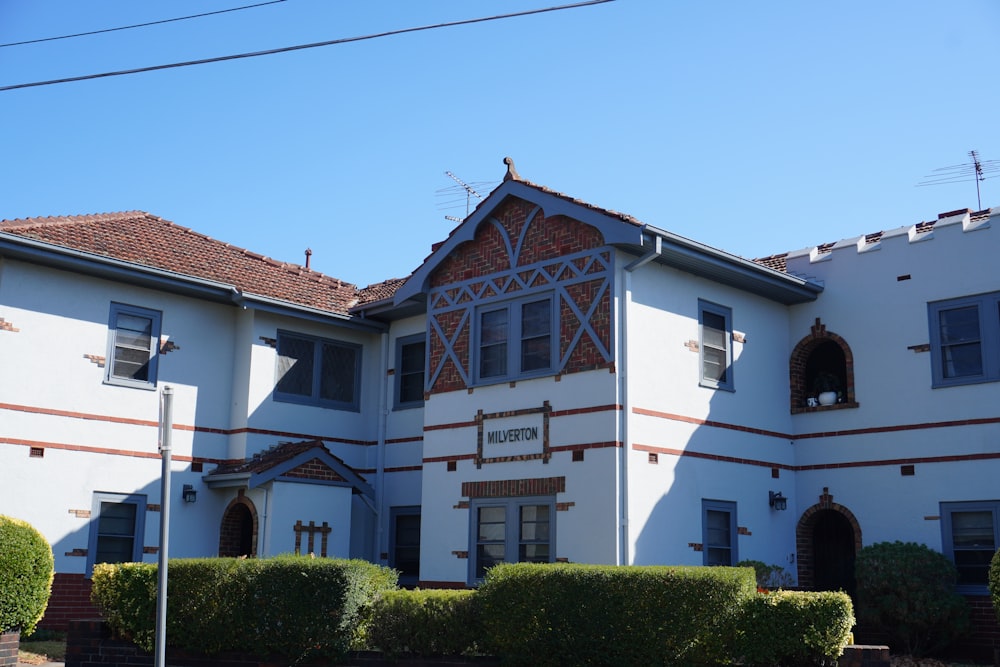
(994, 583)
(289, 606)
(424, 623)
(26, 571)
(907, 590)
(794, 628)
(769, 577)
(606, 615)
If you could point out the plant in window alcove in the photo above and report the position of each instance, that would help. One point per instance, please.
(826, 387)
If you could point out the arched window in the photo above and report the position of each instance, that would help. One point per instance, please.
(821, 372)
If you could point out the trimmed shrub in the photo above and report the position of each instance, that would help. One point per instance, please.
(907, 590)
(560, 614)
(994, 583)
(26, 571)
(424, 623)
(794, 628)
(290, 606)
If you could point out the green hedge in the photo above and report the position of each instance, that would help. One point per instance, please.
(994, 582)
(605, 615)
(907, 590)
(425, 623)
(794, 628)
(292, 606)
(26, 571)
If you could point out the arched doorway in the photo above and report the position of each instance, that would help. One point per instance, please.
(828, 538)
(833, 552)
(238, 531)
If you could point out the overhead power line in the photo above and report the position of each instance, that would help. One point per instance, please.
(300, 47)
(139, 25)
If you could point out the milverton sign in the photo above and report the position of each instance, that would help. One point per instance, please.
(517, 435)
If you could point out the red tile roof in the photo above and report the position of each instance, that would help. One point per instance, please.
(145, 239)
(271, 457)
(379, 291)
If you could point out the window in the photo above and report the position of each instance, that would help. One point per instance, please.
(515, 339)
(965, 340)
(404, 543)
(718, 527)
(410, 353)
(133, 346)
(116, 529)
(510, 530)
(969, 536)
(716, 330)
(316, 371)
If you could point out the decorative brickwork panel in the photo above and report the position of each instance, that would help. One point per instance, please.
(315, 469)
(513, 488)
(520, 252)
(577, 344)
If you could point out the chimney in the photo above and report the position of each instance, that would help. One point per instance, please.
(309, 253)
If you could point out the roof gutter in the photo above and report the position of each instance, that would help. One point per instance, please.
(701, 259)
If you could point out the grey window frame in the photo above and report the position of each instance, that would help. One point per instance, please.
(727, 315)
(988, 309)
(728, 506)
(515, 339)
(394, 514)
(139, 528)
(153, 350)
(313, 398)
(947, 536)
(405, 341)
(512, 538)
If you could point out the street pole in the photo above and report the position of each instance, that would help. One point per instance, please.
(166, 428)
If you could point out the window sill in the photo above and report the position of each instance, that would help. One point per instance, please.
(826, 408)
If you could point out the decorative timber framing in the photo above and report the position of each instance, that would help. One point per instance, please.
(311, 531)
(516, 252)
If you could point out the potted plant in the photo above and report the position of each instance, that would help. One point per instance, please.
(826, 386)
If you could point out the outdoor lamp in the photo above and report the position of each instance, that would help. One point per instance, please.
(777, 501)
(189, 494)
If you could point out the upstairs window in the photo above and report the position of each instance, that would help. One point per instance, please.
(410, 353)
(965, 340)
(316, 371)
(716, 332)
(515, 340)
(133, 346)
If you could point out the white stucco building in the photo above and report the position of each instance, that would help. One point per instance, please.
(555, 382)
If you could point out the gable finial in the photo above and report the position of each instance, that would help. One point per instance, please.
(511, 171)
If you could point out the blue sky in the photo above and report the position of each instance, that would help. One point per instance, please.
(753, 127)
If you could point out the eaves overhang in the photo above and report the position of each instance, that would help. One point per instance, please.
(21, 248)
(717, 265)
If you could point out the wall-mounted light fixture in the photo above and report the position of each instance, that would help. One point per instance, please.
(777, 501)
(189, 494)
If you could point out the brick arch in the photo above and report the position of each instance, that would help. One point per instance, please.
(238, 530)
(798, 362)
(805, 558)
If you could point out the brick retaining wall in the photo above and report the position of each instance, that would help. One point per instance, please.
(8, 648)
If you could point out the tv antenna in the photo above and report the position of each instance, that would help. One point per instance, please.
(976, 169)
(454, 195)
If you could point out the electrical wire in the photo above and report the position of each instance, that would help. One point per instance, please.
(299, 47)
(139, 25)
